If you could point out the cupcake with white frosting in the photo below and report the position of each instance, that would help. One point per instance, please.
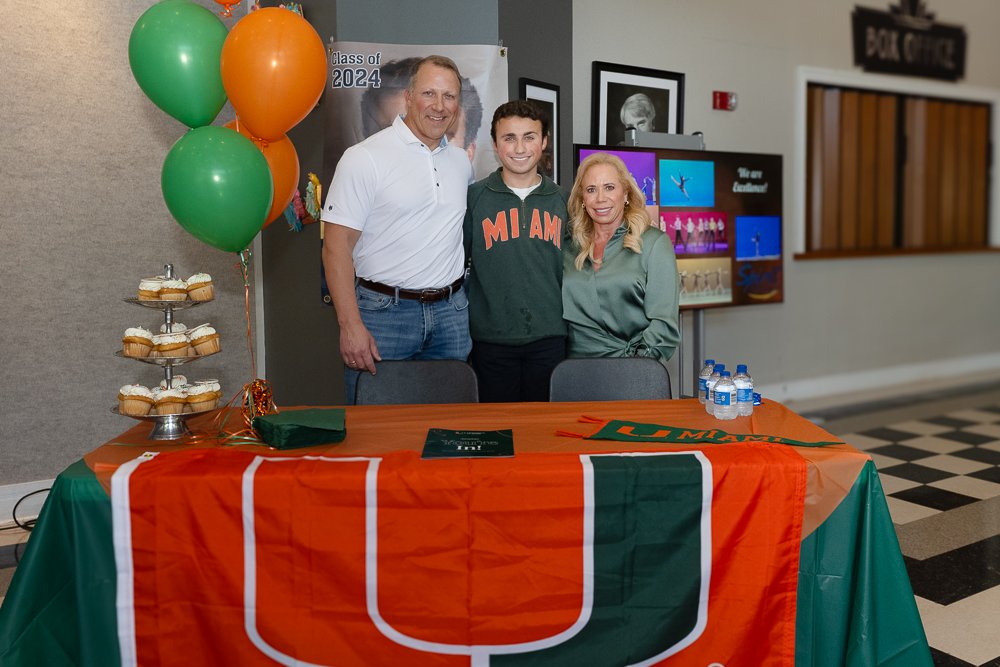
(169, 401)
(171, 345)
(205, 339)
(200, 287)
(176, 327)
(213, 385)
(135, 400)
(202, 397)
(149, 289)
(173, 290)
(137, 342)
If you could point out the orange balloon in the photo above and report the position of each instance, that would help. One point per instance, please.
(273, 70)
(283, 161)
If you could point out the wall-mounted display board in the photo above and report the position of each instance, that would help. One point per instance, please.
(723, 213)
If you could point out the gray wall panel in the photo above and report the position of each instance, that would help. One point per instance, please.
(540, 38)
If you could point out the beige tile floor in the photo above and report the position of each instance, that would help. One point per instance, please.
(966, 629)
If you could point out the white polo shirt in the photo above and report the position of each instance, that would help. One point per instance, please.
(408, 203)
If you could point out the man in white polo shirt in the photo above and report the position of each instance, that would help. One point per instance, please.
(392, 251)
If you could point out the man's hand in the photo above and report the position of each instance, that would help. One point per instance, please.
(357, 346)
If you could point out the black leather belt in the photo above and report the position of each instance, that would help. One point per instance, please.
(422, 295)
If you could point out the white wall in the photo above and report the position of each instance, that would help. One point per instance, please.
(910, 315)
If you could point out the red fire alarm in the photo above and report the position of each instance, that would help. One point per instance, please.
(723, 100)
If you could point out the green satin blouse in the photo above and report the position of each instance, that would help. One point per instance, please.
(628, 308)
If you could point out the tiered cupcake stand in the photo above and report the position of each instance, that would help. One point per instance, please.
(166, 427)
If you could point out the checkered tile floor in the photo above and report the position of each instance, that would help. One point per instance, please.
(936, 464)
(941, 477)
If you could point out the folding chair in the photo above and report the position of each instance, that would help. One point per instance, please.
(609, 379)
(406, 382)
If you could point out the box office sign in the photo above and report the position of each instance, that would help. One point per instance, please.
(907, 40)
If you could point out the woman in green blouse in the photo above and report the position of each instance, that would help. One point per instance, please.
(619, 273)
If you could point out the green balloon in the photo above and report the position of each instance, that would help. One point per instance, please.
(174, 52)
(217, 185)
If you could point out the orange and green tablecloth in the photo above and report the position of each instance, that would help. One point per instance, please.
(694, 549)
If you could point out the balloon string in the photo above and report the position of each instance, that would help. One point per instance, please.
(255, 398)
(245, 256)
(261, 143)
(258, 399)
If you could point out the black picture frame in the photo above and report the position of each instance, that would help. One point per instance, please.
(614, 85)
(546, 96)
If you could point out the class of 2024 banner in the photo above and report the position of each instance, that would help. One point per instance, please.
(644, 558)
(365, 93)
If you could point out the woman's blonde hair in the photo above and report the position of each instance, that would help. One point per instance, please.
(635, 217)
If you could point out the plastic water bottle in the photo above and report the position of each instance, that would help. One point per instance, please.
(706, 371)
(710, 386)
(725, 397)
(744, 391)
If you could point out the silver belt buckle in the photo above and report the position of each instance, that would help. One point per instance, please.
(429, 295)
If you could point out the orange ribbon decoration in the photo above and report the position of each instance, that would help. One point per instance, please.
(227, 11)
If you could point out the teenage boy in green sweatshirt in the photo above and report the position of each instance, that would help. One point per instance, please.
(515, 224)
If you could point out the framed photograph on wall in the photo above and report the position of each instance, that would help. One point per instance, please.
(624, 96)
(546, 96)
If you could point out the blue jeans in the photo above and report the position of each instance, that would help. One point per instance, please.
(409, 329)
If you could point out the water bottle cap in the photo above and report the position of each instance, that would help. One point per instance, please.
(710, 362)
(741, 368)
(725, 374)
(719, 367)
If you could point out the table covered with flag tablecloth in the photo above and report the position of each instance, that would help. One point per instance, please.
(620, 533)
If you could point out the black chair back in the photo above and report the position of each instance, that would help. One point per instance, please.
(609, 379)
(407, 382)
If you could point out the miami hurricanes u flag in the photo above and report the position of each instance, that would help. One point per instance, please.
(652, 558)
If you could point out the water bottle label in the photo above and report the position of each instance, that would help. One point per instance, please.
(744, 395)
(723, 398)
(701, 385)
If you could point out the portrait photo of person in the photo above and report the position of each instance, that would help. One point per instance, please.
(464, 130)
(380, 106)
(638, 112)
(369, 100)
(642, 108)
(627, 97)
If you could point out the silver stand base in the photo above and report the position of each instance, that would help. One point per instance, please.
(170, 427)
